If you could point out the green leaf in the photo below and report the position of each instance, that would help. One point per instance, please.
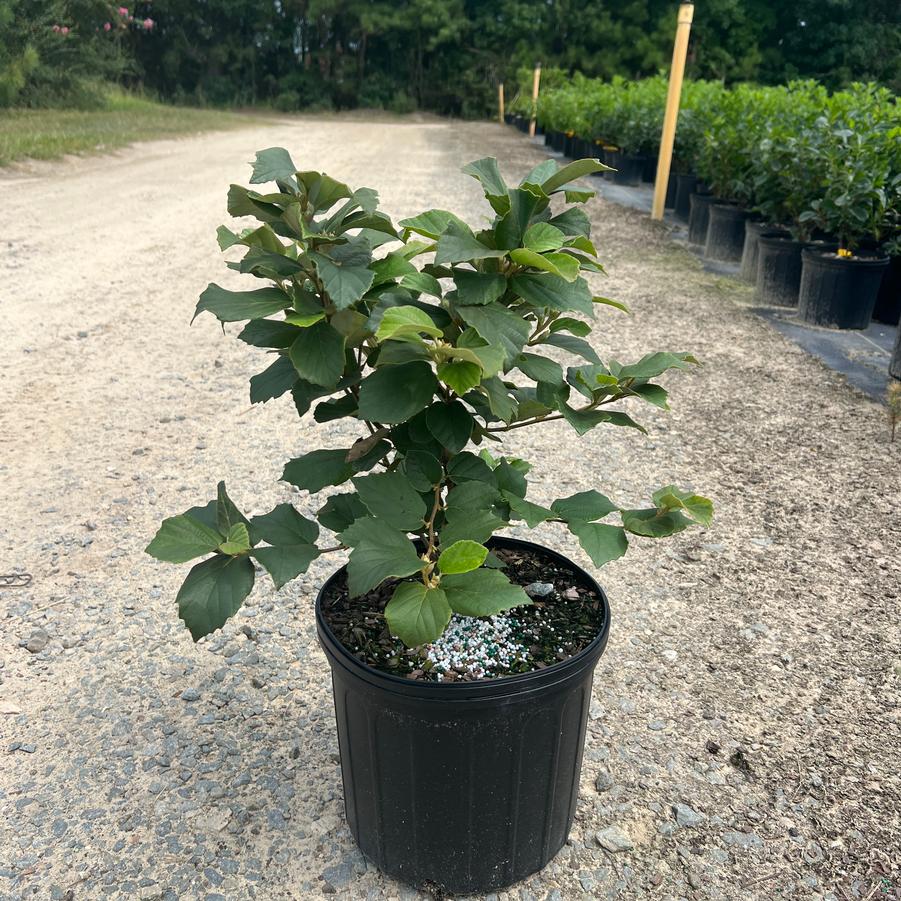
(344, 282)
(273, 381)
(422, 469)
(654, 364)
(394, 394)
(478, 288)
(490, 356)
(488, 175)
(431, 223)
(467, 467)
(340, 510)
(541, 369)
(573, 345)
(533, 514)
(268, 333)
(423, 283)
(482, 592)
(318, 355)
(390, 497)
(272, 164)
(404, 322)
(214, 591)
(323, 191)
(512, 226)
(559, 264)
(584, 506)
(462, 557)
(600, 541)
(575, 326)
(574, 170)
(500, 402)
(651, 523)
(458, 244)
(417, 615)
(286, 562)
(697, 507)
(451, 424)
(541, 237)
(553, 292)
(498, 326)
(182, 538)
(541, 173)
(578, 196)
(283, 525)
(653, 394)
(379, 553)
(572, 222)
(611, 303)
(237, 541)
(337, 408)
(305, 320)
(235, 306)
(460, 376)
(315, 470)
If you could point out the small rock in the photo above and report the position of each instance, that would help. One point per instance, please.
(745, 840)
(539, 589)
(614, 839)
(571, 594)
(190, 694)
(694, 880)
(712, 746)
(37, 642)
(604, 781)
(687, 817)
(82, 334)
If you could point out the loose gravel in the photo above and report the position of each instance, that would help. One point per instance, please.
(743, 740)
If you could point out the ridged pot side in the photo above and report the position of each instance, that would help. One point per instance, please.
(838, 292)
(726, 232)
(464, 786)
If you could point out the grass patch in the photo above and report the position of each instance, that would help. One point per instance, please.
(45, 134)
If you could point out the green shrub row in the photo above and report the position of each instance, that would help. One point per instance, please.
(797, 154)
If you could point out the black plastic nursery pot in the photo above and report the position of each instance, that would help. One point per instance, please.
(888, 301)
(894, 366)
(628, 170)
(671, 185)
(699, 217)
(685, 187)
(750, 249)
(839, 292)
(778, 270)
(465, 787)
(726, 232)
(649, 167)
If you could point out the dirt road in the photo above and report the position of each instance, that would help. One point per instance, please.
(744, 734)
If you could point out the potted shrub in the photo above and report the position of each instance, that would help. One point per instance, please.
(461, 661)
(839, 286)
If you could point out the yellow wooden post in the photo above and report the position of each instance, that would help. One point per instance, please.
(671, 116)
(500, 103)
(536, 80)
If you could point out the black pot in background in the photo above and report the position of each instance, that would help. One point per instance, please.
(839, 292)
(778, 270)
(649, 167)
(753, 230)
(628, 172)
(699, 217)
(685, 187)
(568, 146)
(726, 232)
(888, 303)
(557, 141)
(670, 201)
(894, 366)
(465, 786)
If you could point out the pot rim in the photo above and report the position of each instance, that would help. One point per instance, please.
(831, 258)
(481, 688)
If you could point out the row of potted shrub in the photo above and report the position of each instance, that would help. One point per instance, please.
(802, 186)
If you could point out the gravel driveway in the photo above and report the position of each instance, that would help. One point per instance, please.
(744, 738)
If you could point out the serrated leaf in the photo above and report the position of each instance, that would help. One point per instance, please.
(318, 355)
(498, 326)
(533, 514)
(235, 306)
(237, 541)
(405, 321)
(272, 164)
(272, 333)
(600, 541)
(541, 236)
(462, 557)
(552, 292)
(345, 283)
(584, 506)
(182, 538)
(699, 508)
(390, 497)
(457, 244)
(273, 381)
(451, 424)
(340, 510)
(285, 526)
(652, 523)
(461, 376)
(482, 592)
(214, 591)
(478, 288)
(379, 553)
(653, 394)
(315, 470)
(422, 469)
(467, 467)
(286, 562)
(417, 615)
(394, 394)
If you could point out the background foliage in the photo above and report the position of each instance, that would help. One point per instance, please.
(443, 55)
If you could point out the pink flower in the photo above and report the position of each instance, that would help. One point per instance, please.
(64, 29)
(107, 26)
(123, 11)
(148, 24)
(56, 27)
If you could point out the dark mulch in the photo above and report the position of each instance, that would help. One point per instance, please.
(553, 628)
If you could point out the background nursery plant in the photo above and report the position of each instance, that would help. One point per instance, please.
(429, 362)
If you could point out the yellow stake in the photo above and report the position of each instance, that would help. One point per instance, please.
(500, 103)
(670, 117)
(536, 80)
